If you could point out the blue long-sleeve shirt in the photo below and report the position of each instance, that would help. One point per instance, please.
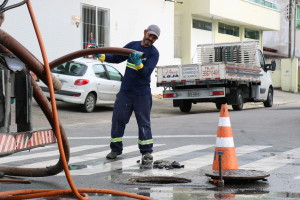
(137, 81)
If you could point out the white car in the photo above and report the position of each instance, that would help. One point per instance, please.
(87, 82)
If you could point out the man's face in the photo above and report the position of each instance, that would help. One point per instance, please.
(149, 39)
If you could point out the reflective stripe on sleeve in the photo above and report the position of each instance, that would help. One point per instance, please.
(130, 65)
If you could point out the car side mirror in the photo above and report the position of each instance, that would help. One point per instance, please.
(271, 66)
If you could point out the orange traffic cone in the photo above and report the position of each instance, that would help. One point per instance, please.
(225, 143)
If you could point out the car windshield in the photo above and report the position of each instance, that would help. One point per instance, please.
(70, 68)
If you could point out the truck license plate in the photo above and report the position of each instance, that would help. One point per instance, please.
(190, 83)
(193, 93)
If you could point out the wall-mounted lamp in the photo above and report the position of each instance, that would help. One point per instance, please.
(181, 2)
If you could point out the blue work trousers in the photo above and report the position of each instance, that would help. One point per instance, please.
(125, 104)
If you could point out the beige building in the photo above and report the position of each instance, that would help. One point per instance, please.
(286, 46)
(215, 21)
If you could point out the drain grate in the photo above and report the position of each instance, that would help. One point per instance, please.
(160, 179)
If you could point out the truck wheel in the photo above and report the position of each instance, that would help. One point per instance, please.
(269, 101)
(240, 101)
(89, 103)
(186, 107)
(218, 106)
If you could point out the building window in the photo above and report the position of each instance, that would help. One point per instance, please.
(266, 4)
(198, 24)
(252, 34)
(298, 17)
(96, 26)
(229, 29)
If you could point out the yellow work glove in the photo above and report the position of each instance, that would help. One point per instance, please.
(101, 57)
(137, 60)
(138, 67)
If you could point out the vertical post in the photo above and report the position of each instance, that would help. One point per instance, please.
(2, 100)
(7, 100)
(5, 90)
(23, 94)
(290, 27)
(220, 181)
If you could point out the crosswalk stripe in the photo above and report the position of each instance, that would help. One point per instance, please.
(81, 158)
(198, 162)
(46, 154)
(20, 156)
(274, 162)
(134, 137)
(265, 164)
(132, 161)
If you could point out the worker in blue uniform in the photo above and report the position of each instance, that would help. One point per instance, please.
(135, 93)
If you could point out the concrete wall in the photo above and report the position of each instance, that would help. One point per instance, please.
(241, 13)
(61, 36)
(276, 75)
(286, 77)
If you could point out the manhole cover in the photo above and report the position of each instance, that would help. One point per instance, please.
(160, 179)
(241, 174)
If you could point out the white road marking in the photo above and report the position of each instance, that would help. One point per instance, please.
(199, 162)
(135, 137)
(47, 154)
(125, 163)
(274, 162)
(82, 158)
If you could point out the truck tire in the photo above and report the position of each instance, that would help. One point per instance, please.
(269, 101)
(186, 107)
(240, 101)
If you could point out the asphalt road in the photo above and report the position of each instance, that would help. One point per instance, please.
(265, 139)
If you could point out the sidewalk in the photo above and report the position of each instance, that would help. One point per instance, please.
(281, 97)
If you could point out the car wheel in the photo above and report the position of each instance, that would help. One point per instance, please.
(240, 101)
(186, 107)
(89, 103)
(269, 101)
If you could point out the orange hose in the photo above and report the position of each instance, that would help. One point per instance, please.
(29, 194)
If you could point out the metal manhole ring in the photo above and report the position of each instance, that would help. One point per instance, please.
(238, 174)
(160, 179)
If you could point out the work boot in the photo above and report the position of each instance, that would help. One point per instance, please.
(147, 158)
(113, 155)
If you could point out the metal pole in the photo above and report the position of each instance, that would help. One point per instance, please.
(220, 181)
(7, 100)
(294, 27)
(290, 28)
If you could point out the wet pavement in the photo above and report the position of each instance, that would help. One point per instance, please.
(266, 139)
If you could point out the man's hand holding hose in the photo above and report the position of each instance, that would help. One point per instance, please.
(135, 58)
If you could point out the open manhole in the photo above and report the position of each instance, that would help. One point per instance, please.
(160, 180)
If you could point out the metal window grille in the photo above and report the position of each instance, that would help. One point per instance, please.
(96, 26)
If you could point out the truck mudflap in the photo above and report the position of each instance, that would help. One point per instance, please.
(199, 93)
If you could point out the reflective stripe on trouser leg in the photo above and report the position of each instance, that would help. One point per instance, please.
(121, 114)
(142, 108)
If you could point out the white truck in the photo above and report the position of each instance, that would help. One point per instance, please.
(232, 73)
